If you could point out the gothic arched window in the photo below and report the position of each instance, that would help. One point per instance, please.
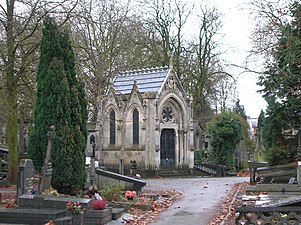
(135, 127)
(112, 128)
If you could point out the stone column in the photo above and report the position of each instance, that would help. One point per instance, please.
(299, 158)
(121, 166)
(183, 147)
(252, 167)
(177, 147)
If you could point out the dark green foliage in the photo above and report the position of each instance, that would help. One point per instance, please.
(280, 155)
(60, 102)
(225, 134)
(198, 156)
(240, 109)
(282, 80)
(241, 113)
(260, 119)
(274, 124)
(44, 110)
(280, 144)
(281, 85)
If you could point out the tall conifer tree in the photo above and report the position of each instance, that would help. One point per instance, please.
(281, 88)
(60, 102)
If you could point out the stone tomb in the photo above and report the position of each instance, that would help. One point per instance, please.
(36, 209)
(33, 216)
(269, 209)
(39, 209)
(103, 177)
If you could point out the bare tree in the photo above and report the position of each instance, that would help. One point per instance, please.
(205, 64)
(98, 32)
(223, 95)
(166, 21)
(141, 46)
(270, 17)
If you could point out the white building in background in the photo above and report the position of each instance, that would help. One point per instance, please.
(253, 123)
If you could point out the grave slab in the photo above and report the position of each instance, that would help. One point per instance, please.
(29, 216)
(51, 202)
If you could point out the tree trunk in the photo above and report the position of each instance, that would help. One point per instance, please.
(12, 137)
(202, 115)
(11, 98)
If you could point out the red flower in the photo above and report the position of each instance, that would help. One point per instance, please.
(130, 194)
(74, 207)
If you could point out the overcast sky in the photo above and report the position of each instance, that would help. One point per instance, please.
(237, 27)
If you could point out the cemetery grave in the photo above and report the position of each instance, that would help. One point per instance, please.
(38, 208)
(269, 209)
(37, 203)
(275, 199)
(35, 207)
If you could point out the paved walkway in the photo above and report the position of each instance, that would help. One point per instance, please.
(201, 198)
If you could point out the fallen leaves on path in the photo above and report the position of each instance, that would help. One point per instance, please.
(226, 213)
(141, 217)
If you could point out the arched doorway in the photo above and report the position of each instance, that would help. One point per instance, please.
(167, 147)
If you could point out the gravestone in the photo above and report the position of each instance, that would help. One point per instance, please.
(25, 177)
(88, 180)
(121, 166)
(299, 158)
(92, 172)
(45, 178)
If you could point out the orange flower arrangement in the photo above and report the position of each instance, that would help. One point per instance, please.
(130, 194)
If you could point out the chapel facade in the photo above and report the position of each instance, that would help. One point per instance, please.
(147, 117)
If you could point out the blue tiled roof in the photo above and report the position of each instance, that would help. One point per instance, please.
(147, 80)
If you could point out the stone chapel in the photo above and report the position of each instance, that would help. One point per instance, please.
(147, 117)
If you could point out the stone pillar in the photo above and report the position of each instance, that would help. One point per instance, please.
(177, 147)
(92, 159)
(121, 166)
(299, 158)
(252, 168)
(92, 173)
(185, 148)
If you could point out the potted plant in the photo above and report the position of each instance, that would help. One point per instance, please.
(99, 202)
